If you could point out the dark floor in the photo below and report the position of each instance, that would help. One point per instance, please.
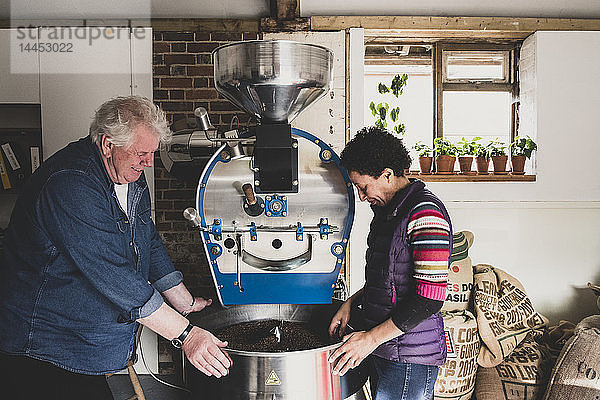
(153, 390)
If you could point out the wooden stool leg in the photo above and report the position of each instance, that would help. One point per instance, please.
(135, 382)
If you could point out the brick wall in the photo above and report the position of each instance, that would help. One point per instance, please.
(183, 80)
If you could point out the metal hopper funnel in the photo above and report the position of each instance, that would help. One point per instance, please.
(273, 80)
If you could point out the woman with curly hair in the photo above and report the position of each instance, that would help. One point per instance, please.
(406, 271)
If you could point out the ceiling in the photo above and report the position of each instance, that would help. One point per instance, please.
(139, 9)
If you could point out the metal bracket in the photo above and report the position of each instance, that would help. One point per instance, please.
(276, 206)
(324, 228)
(216, 228)
(299, 232)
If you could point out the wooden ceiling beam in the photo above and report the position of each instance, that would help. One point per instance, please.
(204, 25)
(459, 26)
(285, 17)
(285, 9)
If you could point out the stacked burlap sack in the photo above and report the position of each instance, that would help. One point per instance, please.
(500, 348)
(460, 274)
(521, 375)
(505, 314)
(596, 290)
(514, 360)
(576, 374)
(490, 326)
(456, 378)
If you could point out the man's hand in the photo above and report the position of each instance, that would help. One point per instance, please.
(205, 352)
(350, 354)
(182, 300)
(199, 304)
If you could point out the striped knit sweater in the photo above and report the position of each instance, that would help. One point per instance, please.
(428, 235)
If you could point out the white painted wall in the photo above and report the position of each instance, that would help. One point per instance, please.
(326, 117)
(545, 233)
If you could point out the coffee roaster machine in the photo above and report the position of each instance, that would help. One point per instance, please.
(274, 209)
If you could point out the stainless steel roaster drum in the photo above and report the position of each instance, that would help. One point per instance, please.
(295, 375)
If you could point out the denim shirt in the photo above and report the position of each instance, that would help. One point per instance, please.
(77, 271)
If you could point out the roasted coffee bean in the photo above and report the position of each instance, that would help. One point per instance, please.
(258, 336)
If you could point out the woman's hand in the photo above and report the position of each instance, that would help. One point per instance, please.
(339, 322)
(360, 344)
(352, 352)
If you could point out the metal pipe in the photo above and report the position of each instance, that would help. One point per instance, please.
(249, 193)
(264, 228)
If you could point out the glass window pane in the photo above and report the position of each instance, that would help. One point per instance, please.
(470, 114)
(415, 103)
(481, 65)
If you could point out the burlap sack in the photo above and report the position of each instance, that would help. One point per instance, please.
(460, 274)
(456, 378)
(521, 376)
(504, 313)
(556, 336)
(576, 374)
(596, 290)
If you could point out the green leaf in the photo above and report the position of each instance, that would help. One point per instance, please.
(398, 84)
(382, 108)
(400, 129)
(381, 124)
(394, 113)
(373, 109)
(382, 88)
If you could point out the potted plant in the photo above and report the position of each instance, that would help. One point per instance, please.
(498, 156)
(520, 150)
(445, 155)
(466, 151)
(425, 156)
(482, 158)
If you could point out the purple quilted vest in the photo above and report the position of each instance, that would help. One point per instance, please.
(389, 279)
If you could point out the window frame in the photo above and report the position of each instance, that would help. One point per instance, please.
(440, 86)
(446, 54)
(438, 45)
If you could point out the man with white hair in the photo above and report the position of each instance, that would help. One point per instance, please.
(84, 265)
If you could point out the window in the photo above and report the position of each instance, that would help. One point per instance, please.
(472, 87)
(475, 66)
(415, 103)
(382, 64)
(476, 91)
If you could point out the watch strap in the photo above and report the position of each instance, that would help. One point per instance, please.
(178, 341)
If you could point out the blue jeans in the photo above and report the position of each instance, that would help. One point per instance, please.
(391, 380)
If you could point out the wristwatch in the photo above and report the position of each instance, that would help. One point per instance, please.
(178, 341)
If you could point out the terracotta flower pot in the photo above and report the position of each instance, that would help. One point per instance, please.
(444, 164)
(518, 165)
(483, 165)
(465, 163)
(500, 164)
(425, 163)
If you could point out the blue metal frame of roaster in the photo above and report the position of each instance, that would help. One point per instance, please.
(284, 288)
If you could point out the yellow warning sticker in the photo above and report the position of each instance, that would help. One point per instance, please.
(273, 379)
